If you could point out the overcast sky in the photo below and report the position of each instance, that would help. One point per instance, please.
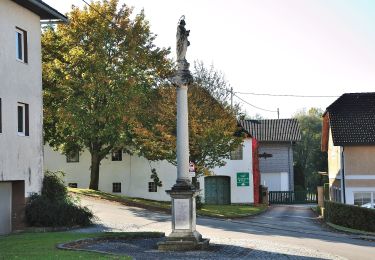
(300, 47)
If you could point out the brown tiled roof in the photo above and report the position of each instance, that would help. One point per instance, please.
(352, 119)
(273, 130)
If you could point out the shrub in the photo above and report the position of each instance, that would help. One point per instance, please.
(54, 207)
(198, 202)
(349, 216)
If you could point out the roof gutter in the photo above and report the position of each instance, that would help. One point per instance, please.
(36, 5)
(50, 10)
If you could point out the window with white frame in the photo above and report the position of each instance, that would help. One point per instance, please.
(152, 187)
(116, 187)
(237, 154)
(117, 155)
(364, 199)
(72, 156)
(21, 45)
(23, 119)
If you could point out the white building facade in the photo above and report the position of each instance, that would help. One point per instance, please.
(130, 175)
(21, 145)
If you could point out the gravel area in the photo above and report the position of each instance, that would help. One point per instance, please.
(219, 249)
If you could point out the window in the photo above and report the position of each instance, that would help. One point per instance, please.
(72, 156)
(116, 187)
(117, 155)
(72, 185)
(21, 45)
(152, 187)
(23, 119)
(361, 198)
(237, 154)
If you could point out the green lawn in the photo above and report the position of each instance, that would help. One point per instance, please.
(231, 211)
(350, 230)
(43, 245)
(220, 211)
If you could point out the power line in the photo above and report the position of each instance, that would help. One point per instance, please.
(98, 12)
(267, 110)
(283, 95)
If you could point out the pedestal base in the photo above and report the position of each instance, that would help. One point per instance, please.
(184, 235)
(182, 245)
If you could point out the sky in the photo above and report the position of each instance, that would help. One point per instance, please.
(289, 47)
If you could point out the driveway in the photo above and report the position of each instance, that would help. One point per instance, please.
(290, 231)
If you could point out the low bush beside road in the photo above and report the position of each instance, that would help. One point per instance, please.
(349, 216)
(54, 207)
(219, 211)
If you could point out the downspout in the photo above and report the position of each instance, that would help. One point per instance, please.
(343, 175)
(290, 172)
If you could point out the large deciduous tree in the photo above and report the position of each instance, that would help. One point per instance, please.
(99, 71)
(308, 157)
(213, 128)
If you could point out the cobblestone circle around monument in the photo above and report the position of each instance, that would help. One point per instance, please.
(219, 249)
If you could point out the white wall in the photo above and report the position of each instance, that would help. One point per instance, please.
(275, 181)
(239, 194)
(21, 157)
(134, 174)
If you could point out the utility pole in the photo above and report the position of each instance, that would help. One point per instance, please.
(278, 113)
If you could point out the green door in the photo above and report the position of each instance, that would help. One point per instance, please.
(217, 190)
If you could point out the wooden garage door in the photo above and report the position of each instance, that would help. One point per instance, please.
(5, 207)
(217, 190)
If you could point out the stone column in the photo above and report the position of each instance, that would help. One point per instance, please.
(182, 136)
(184, 235)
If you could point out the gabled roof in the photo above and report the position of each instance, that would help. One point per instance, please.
(352, 119)
(273, 130)
(40, 8)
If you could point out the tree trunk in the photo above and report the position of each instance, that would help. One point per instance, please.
(95, 164)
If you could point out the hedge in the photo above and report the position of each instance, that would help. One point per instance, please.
(54, 207)
(349, 216)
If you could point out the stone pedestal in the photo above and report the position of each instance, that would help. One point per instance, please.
(184, 236)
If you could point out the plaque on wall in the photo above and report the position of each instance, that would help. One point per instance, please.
(181, 214)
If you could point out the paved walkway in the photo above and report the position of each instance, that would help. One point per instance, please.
(283, 231)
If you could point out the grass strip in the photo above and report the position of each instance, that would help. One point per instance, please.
(43, 245)
(350, 230)
(218, 211)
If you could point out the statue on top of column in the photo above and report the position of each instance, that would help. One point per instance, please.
(182, 40)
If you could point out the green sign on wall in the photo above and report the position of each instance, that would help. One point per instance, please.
(242, 179)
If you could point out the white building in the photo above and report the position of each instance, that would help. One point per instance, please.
(130, 175)
(21, 148)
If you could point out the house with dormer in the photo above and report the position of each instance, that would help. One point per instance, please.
(348, 136)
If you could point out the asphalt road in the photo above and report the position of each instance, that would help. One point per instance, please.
(292, 230)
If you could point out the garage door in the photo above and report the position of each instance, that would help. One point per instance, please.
(217, 190)
(5, 207)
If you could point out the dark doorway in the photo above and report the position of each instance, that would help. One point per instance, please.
(217, 190)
